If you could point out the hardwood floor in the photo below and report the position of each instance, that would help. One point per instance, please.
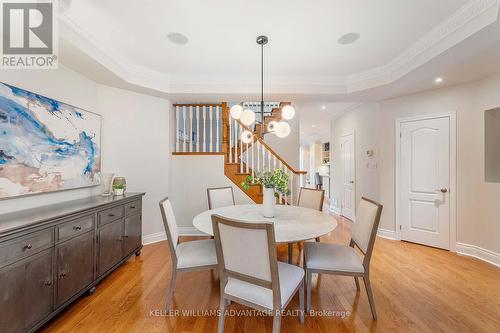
(416, 289)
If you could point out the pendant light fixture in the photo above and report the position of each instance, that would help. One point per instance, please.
(247, 117)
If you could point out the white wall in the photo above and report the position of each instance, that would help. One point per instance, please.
(136, 146)
(135, 137)
(191, 175)
(287, 148)
(478, 210)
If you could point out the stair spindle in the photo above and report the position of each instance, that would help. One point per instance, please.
(230, 140)
(184, 129)
(241, 151)
(217, 144)
(204, 129)
(176, 128)
(211, 138)
(198, 137)
(190, 129)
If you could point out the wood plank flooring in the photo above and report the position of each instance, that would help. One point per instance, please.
(416, 289)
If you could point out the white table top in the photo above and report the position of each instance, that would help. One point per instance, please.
(291, 223)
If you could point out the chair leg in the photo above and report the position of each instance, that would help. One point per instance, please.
(357, 282)
(276, 322)
(301, 302)
(222, 316)
(308, 288)
(290, 248)
(170, 294)
(368, 287)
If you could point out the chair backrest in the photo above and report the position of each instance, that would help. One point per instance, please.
(311, 198)
(170, 224)
(220, 197)
(247, 252)
(365, 227)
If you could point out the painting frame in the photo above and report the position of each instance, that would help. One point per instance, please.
(96, 182)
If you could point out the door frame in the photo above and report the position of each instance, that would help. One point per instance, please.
(453, 171)
(353, 133)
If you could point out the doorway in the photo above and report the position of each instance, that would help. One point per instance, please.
(425, 184)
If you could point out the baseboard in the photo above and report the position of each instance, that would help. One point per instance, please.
(190, 231)
(388, 234)
(154, 238)
(335, 210)
(479, 253)
(161, 236)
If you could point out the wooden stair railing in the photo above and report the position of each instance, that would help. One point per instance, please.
(208, 129)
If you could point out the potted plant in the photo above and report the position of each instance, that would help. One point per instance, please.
(273, 183)
(119, 189)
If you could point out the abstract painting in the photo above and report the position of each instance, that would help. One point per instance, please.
(45, 145)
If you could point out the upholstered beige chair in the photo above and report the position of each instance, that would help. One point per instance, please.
(249, 271)
(220, 197)
(186, 256)
(343, 259)
(308, 198)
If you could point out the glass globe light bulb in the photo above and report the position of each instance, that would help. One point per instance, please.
(287, 112)
(246, 137)
(272, 126)
(247, 117)
(282, 130)
(236, 111)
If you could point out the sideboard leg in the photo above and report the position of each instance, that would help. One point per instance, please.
(137, 253)
(90, 292)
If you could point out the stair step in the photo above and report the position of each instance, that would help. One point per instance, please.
(243, 174)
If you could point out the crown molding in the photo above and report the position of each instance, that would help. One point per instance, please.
(468, 20)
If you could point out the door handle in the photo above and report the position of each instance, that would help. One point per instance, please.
(444, 190)
(351, 181)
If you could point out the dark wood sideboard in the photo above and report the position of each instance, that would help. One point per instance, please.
(51, 255)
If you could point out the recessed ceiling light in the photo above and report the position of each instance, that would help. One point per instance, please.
(438, 80)
(313, 126)
(177, 38)
(348, 38)
(323, 107)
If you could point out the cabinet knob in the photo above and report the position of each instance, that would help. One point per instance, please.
(47, 283)
(111, 215)
(63, 274)
(132, 207)
(77, 227)
(27, 247)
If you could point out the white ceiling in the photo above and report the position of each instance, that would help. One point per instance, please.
(303, 34)
(303, 58)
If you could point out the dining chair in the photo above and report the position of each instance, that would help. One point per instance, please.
(220, 197)
(344, 260)
(308, 198)
(186, 256)
(249, 271)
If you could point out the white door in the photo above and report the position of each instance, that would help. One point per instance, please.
(424, 184)
(348, 177)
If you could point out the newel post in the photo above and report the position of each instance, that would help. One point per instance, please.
(225, 130)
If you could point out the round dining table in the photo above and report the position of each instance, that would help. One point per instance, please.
(292, 224)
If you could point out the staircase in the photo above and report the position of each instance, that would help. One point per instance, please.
(212, 131)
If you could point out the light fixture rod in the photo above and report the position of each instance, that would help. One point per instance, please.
(262, 40)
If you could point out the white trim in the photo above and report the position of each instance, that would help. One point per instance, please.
(154, 238)
(353, 133)
(479, 253)
(453, 171)
(335, 210)
(161, 236)
(387, 234)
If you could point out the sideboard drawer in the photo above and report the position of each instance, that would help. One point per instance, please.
(26, 245)
(111, 214)
(75, 227)
(133, 207)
